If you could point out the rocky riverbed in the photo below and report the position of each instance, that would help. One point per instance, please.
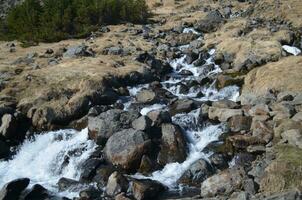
(205, 102)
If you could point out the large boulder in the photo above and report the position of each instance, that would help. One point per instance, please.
(147, 189)
(182, 106)
(107, 123)
(280, 76)
(126, 148)
(197, 173)
(210, 23)
(13, 189)
(37, 192)
(223, 183)
(173, 145)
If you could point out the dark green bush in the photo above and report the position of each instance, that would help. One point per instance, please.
(54, 20)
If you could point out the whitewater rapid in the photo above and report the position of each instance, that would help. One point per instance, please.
(43, 158)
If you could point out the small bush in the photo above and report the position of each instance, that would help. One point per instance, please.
(54, 20)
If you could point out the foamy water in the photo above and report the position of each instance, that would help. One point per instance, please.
(41, 159)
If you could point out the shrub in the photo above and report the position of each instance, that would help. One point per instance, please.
(53, 20)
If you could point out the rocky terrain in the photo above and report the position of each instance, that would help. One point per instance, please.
(205, 102)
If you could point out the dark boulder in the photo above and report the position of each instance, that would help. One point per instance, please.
(210, 23)
(4, 150)
(181, 106)
(37, 192)
(13, 189)
(147, 189)
(66, 183)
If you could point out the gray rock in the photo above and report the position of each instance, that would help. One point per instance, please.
(78, 50)
(117, 183)
(13, 189)
(142, 123)
(8, 126)
(159, 116)
(126, 148)
(146, 96)
(225, 104)
(66, 183)
(297, 117)
(223, 183)
(293, 137)
(181, 106)
(223, 114)
(197, 173)
(210, 23)
(239, 123)
(173, 145)
(107, 123)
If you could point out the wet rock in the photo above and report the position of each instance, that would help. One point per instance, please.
(147, 189)
(37, 192)
(106, 124)
(210, 23)
(191, 57)
(13, 189)
(78, 50)
(89, 168)
(223, 183)
(142, 123)
(125, 148)
(102, 175)
(159, 116)
(173, 145)
(117, 183)
(4, 150)
(90, 193)
(197, 173)
(181, 106)
(66, 183)
(223, 114)
(146, 96)
(219, 161)
(239, 123)
(185, 73)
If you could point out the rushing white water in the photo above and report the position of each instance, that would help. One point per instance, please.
(198, 141)
(42, 159)
(153, 107)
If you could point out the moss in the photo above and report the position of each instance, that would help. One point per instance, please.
(285, 172)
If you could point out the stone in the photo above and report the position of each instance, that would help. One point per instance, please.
(146, 96)
(225, 104)
(117, 183)
(297, 117)
(285, 125)
(181, 106)
(13, 189)
(173, 145)
(89, 168)
(219, 161)
(223, 183)
(147, 189)
(4, 150)
(66, 183)
(225, 80)
(197, 173)
(102, 175)
(8, 126)
(77, 50)
(126, 148)
(293, 137)
(263, 130)
(37, 192)
(159, 116)
(90, 193)
(223, 114)
(106, 124)
(210, 23)
(239, 123)
(142, 123)
(259, 109)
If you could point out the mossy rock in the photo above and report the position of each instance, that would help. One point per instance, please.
(285, 172)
